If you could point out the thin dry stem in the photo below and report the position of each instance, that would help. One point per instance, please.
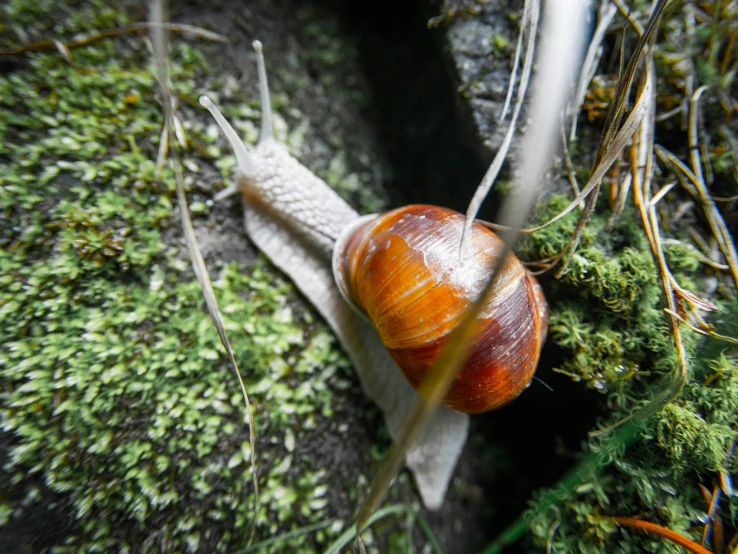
(159, 40)
(697, 188)
(516, 65)
(562, 29)
(642, 174)
(610, 132)
(662, 532)
(700, 331)
(48, 45)
(571, 172)
(530, 27)
(717, 224)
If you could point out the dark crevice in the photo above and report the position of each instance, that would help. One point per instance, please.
(433, 156)
(44, 517)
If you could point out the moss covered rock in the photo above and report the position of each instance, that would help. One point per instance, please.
(124, 429)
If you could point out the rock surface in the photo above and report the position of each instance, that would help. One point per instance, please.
(481, 47)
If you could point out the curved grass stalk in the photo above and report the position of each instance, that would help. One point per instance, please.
(50, 45)
(159, 40)
(562, 30)
(663, 532)
(530, 28)
(611, 130)
(351, 533)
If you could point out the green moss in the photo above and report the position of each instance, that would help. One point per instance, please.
(607, 318)
(696, 430)
(656, 478)
(608, 324)
(500, 42)
(607, 313)
(115, 392)
(685, 436)
(24, 22)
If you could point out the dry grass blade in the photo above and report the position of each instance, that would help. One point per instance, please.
(516, 65)
(697, 188)
(621, 140)
(569, 165)
(47, 45)
(563, 30)
(663, 532)
(530, 28)
(701, 331)
(159, 41)
(641, 174)
(717, 224)
(626, 13)
(591, 59)
(611, 129)
(625, 81)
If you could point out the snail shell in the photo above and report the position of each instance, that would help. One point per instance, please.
(402, 269)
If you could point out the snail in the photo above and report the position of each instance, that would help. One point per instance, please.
(335, 257)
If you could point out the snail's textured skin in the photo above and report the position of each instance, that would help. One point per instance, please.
(404, 270)
(273, 182)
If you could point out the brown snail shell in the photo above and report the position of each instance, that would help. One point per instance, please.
(402, 269)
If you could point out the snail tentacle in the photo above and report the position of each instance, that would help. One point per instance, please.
(267, 131)
(239, 148)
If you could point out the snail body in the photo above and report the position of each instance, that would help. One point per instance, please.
(299, 222)
(402, 269)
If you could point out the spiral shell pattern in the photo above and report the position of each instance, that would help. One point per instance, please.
(403, 270)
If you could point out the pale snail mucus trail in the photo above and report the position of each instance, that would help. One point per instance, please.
(294, 218)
